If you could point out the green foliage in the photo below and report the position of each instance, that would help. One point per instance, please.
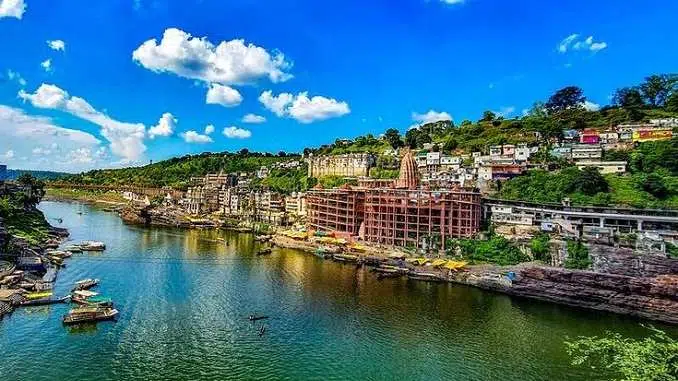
(671, 250)
(335, 181)
(177, 172)
(650, 156)
(496, 249)
(657, 88)
(286, 181)
(654, 184)
(589, 182)
(567, 98)
(653, 358)
(379, 173)
(539, 246)
(577, 256)
(392, 136)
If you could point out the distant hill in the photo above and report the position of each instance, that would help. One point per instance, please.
(12, 174)
(177, 172)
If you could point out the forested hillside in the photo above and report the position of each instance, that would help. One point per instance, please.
(176, 172)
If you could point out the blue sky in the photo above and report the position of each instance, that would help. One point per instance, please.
(315, 71)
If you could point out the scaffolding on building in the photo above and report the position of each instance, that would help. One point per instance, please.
(335, 210)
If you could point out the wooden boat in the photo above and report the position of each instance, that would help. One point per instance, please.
(345, 258)
(85, 284)
(83, 296)
(255, 317)
(92, 246)
(427, 277)
(265, 251)
(89, 314)
(45, 301)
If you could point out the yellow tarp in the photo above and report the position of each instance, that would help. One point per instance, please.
(438, 262)
(455, 265)
(358, 247)
(38, 295)
(418, 261)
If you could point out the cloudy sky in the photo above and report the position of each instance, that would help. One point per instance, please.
(94, 84)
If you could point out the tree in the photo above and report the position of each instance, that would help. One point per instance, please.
(450, 144)
(577, 256)
(672, 103)
(488, 116)
(654, 185)
(392, 136)
(654, 358)
(589, 182)
(34, 189)
(244, 152)
(565, 98)
(657, 88)
(411, 137)
(630, 99)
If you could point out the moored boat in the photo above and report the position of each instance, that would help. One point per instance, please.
(92, 246)
(264, 251)
(86, 297)
(85, 284)
(45, 301)
(89, 314)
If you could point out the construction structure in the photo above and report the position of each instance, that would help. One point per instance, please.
(335, 210)
(399, 214)
(347, 165)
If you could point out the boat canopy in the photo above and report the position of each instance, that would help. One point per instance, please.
(85, 293)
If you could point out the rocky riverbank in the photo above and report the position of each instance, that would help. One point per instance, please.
(622, 281)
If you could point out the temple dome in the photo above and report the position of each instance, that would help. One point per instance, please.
(409, 176)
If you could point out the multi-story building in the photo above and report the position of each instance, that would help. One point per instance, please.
(295, 207)
(604, 166)
(586, 152)
(348, 165)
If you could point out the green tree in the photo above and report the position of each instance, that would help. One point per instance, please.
(392, 136)
(566, 98)
(539, 246)
(577, 256)
(488, 116)
(657, 88)
(411, 137)
(631, 100)
(654, 184)
(34, 189)
(672, 102)
(589, 182)
(450, 144)
(654, 358)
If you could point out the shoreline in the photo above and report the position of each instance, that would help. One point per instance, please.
(649, 296)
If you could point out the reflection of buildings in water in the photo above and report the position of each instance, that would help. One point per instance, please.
(210, 242)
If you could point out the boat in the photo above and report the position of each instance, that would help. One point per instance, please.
(85, 284)
(73, 249)
(83, 296)
(92, 246)
(59, 253)
(345, 258)
(45, 301)
(89, 314)
(255, 317)
(427, 277)
(264, 251)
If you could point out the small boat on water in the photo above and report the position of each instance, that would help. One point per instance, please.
(92, 246)
(265, 251)
(255, 317)
(427, 277)
(45, 301)
(91, 298)
(345, 258)
(85, 284)
(89, 314)
(38, 295)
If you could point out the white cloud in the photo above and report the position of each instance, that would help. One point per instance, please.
(590, 106)
(223, 95)
(9, 155)
(80, 156)
(236, 133)
(195, 137)
(56, 45)
(229, 63)
(47, 64)
(209, 129)
(572, 42)
(430, 117)
(452, 1)
(44, 144)
(165, 127)
(15, 76)
(126, 139)
(505, 111)
(253, 119)
(12, 8)
(302, 108)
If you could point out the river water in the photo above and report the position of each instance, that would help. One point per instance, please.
(184, 297)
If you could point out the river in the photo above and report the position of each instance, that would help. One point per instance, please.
(184, 297)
